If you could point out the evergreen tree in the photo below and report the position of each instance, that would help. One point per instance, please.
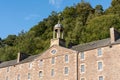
(98, 10)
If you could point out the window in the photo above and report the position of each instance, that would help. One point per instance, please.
(28, 76)
(82, 79)
(18, 77)
(66, 70)
(7, 78)
(53, 60)
(41, 62)
(8, 69)
(82, 68)
(100, 65)
(30, 65)
(53, 51)
(66, 58)
(40, 74)
(101, 78)
(52, 72)
(99, 52)
(82, 55)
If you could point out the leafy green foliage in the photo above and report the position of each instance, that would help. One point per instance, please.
(115, 7)
(81, 22)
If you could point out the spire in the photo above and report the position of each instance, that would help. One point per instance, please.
(59, 17)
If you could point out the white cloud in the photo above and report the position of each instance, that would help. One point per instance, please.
(52, 2)
(32, 16)
(56, 3)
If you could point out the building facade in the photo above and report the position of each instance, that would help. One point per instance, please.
(98, 60)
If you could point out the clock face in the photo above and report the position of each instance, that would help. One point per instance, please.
(53, 51)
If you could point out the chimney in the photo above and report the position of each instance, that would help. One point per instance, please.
(114, 35)
(21, 56)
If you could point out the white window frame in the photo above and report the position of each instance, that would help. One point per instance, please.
(82, 55)
(99, 52)
(40, 74)
(82, 70)
(99, 65)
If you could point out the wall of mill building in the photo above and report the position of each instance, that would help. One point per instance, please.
(110, 58)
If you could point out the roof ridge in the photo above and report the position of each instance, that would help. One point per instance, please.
(89, 43)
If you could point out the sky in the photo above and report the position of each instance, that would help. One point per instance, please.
(19, 15)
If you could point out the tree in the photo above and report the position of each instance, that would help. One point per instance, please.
(83, 9)
(98, 28)
(115, 7)
(1, 43)
(98, 10)
(10, 40)
(69, 12)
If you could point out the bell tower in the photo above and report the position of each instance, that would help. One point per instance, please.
(58, 33)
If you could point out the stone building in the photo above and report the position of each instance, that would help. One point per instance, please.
(98, 60)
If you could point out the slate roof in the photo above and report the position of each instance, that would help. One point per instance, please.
(14, 62)
(8, 63)
(94, 44)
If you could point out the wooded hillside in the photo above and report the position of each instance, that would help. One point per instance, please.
(82, 24)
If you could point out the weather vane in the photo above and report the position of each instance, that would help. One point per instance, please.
(59, 18)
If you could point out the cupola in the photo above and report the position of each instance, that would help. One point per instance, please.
(58, 33)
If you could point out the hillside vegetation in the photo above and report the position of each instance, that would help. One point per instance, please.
(82, 23)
